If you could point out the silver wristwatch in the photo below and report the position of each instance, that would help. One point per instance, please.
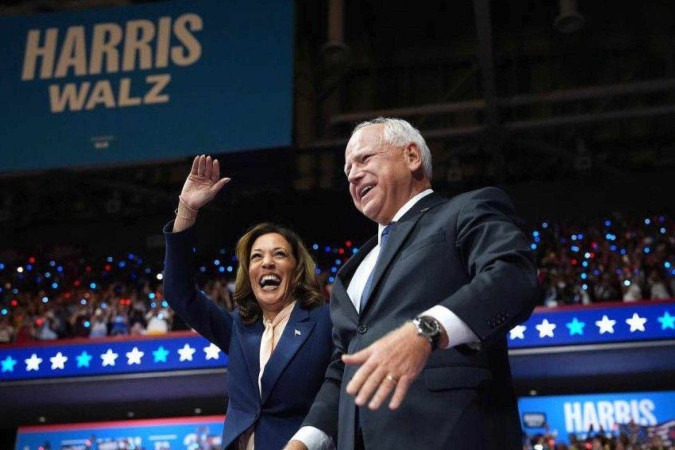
(429, 328)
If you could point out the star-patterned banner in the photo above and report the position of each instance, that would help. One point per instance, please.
(179, 351)
(625, 322)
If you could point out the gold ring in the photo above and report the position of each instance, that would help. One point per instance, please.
(391, 378)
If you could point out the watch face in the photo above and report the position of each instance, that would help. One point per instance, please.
(429, 326)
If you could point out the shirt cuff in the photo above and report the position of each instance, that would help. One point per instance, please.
(314, 438)
(457, 331)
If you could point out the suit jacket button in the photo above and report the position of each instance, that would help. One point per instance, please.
(362, 329)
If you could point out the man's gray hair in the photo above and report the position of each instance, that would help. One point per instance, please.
(400, 133)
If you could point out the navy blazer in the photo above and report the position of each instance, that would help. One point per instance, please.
(469, 255)
(293, 374)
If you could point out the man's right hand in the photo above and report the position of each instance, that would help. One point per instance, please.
(295, 445)
(203, 182)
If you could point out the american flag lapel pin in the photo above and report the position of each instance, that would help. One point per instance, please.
(297, 332)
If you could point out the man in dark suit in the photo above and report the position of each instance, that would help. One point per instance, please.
(420, 314)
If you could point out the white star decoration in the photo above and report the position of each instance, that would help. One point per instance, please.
(636, 323)
(58, 361)
(109, 358)
(134, 356)
(518, 332)
(545, 328)
(33, 363)
(212, 351)
(186, 353)
(606, 325)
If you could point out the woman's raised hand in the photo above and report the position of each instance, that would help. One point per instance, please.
(203, 182)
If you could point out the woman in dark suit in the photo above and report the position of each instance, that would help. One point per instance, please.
(278, 339)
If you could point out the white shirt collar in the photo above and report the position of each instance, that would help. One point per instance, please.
(404, 209)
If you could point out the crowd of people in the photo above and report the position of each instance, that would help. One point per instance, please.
(629, 436)
(42, 298)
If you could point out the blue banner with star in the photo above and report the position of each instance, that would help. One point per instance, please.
(179, 351)
(625, 322)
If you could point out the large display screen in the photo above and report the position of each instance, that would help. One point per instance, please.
(147, 82)
(185, 433)
(643, 414)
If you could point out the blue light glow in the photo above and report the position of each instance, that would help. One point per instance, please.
(216, 262)
(92, 285)
(318, 271)
(608, 223)
(151, 295)
(221, 269)
(315, 246)
(229, 268)
(45, 299)
(533, 246)
(544, 225)
(647, 221)
(331, 279)
(87, 324)
(55, 285)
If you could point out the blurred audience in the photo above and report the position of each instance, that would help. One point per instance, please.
(66, 295)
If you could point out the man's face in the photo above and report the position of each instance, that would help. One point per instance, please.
(380, 175)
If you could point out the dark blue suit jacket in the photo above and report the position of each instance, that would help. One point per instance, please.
(292, 376)
(469, 255)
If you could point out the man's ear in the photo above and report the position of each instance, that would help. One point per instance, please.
(413, 156)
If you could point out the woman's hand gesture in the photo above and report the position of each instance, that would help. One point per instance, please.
(203, 182)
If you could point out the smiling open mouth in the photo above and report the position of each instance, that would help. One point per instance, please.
(270, 282)
(365, 190)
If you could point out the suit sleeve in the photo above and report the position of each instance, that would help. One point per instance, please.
(503, 288)
(324, 411)
(180, 291)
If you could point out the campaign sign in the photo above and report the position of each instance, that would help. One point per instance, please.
(649, 413)
(202, 433)
(147, 82)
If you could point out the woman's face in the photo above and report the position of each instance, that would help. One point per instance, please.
(270, 272)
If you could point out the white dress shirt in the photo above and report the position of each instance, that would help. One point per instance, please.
(457, 331)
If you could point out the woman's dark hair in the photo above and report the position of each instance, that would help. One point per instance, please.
(305, 286)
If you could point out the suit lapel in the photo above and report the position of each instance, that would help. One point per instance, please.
(345, 275)
(398, 236)
(298, 329)
(251, 336)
